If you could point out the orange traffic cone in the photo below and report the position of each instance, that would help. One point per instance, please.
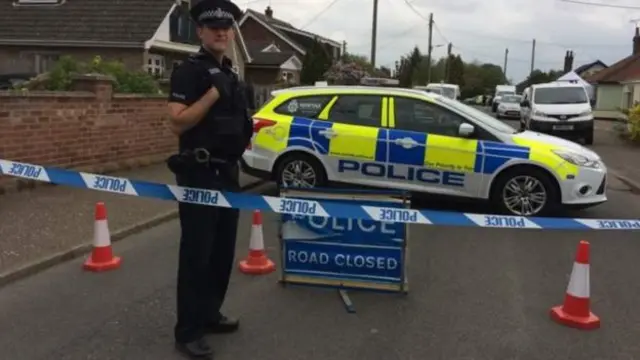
(101, 258)
(575, 312)
(257, 263)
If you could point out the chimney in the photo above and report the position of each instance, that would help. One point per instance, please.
(636, 42)
(568, 61)
(268, 12)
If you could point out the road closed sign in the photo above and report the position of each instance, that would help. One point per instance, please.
(342, 252)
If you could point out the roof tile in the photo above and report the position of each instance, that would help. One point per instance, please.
(84, 20)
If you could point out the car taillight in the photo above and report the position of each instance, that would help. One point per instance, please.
(259, 124)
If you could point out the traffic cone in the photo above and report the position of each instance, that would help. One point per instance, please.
(257, 263)
(575, 312)
(101, 258)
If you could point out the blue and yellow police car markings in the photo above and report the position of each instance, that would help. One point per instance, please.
(305, 133)
(450, 153)
(382, 145)
(354, 141)
(399, 154)
(495, 155)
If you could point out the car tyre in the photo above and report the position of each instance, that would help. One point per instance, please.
(304, 160)
(550, 206)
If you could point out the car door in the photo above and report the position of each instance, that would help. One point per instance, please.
(426, 152)
(353, 134)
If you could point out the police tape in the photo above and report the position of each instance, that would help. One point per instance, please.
(296, 206)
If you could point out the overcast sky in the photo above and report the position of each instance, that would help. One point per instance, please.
(478, 29)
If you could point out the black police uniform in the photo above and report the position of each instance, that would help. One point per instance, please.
(208, 156)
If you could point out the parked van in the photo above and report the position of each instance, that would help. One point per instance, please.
(558, 108)
(501, 90)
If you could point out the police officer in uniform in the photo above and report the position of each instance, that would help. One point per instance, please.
(208, 111)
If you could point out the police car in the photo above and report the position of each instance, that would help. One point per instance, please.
(420, 142)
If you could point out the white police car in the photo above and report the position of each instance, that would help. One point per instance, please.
(421, 142)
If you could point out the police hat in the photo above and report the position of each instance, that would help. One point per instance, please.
(215, 13)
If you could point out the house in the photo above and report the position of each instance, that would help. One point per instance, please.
(152, 35)
(618, 86)
(590, 69)
(277, 48)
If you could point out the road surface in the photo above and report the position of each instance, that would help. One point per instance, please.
(475, 294)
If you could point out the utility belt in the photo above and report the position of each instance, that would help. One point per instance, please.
(198, 159)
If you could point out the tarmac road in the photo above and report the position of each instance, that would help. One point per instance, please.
(480, 294)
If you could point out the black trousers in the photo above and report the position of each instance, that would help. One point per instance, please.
(207, 250)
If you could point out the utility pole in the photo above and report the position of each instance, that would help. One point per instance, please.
(430, 48)
(533, 55)
(374, 33)
(344, 48)
(506, 58)
(447, 71)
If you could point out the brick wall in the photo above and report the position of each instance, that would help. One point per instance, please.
(90, 129)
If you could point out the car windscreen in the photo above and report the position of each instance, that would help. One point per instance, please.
(560, 95)
(504, 93)
(511, 99)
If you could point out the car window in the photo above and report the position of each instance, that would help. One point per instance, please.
(422, 116)
(305, 106)
(357, 110)
(560, 95)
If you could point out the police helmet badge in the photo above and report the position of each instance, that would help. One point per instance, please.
(215, 13)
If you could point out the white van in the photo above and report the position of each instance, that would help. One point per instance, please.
(452, 91)
(559, 108)
(501, 90)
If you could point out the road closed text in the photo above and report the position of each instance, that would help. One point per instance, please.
(341, 262)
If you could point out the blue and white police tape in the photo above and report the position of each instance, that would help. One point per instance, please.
(298, 206)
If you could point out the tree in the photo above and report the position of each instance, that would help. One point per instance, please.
(539, 77)
(345, 73)
(456, 71)
(315, 64)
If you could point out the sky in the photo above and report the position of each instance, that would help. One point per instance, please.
(478, 30)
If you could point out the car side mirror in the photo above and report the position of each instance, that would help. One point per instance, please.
(466, 130)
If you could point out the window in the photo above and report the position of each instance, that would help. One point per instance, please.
(43, 62)
(308, 106)
(357, 110)
(155, 65)
(418, 115)
(560, 95)
(288, 76)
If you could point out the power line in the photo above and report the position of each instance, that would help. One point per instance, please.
(435, 26)
(613, 6)
(415, 11)
(313, 19)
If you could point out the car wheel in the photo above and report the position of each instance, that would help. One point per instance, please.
(588, 137)
(300, 170)
(525, 191)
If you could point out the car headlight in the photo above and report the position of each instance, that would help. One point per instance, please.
(538, 113)
(577, 159)
(501, 107)
(585, 113)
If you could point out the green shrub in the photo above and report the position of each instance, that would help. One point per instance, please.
(127, 81)
(633, 127)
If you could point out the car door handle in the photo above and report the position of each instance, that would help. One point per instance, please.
(329, 134)
(406, 143)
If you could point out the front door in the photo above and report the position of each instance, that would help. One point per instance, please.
(426, 151)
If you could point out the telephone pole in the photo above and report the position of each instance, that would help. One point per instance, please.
(344, 48)
(533, 55)
(430, 47)
(374, 33)
(506, 58)
(447, 71)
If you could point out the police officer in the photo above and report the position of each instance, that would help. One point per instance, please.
(208, 111)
